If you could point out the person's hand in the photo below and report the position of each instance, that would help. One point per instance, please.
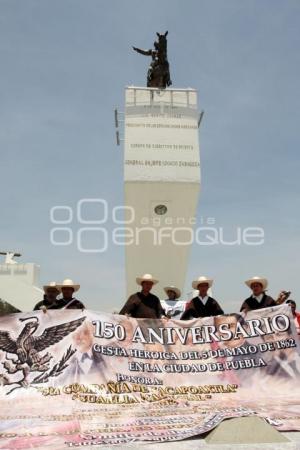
(43, 308)
(283, 296)
(165, 318)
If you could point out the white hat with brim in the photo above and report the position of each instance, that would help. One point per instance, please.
(202, 280)
(262, 281)
(146, 277)
(51, 285)
(69, 283)
(174, 289)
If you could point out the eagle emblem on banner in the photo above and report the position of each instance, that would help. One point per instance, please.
(27, 350)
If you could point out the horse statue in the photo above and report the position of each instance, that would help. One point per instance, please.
(158, 74)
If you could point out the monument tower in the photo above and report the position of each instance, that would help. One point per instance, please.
(161, 174)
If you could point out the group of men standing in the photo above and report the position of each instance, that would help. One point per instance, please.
(144, 304)
(60, 296)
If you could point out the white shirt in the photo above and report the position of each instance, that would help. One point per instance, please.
(204, 299)
(258, 297)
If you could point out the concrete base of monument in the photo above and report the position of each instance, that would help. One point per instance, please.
(244, 430)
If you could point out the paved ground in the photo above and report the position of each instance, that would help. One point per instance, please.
(196, 443)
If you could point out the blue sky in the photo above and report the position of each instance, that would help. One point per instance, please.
(64, 66)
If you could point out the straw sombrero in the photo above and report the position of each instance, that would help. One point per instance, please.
(51, 285)
(146, 277)
(174, 289)
(201, 280)
(69, 283)
(262, 281)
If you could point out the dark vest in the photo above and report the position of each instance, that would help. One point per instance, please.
(198, 309)
(143, 306)
(252, 303)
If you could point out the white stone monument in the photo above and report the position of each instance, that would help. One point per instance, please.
(162, 183)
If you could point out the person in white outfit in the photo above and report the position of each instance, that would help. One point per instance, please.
(172, 305)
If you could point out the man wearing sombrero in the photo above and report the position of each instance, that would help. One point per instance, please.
(51, 292)
(67, 288)
(143, 304)
(203, 305)
(259, 299)
(172, 306)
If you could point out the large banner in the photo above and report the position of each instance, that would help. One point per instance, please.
(72, 378)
